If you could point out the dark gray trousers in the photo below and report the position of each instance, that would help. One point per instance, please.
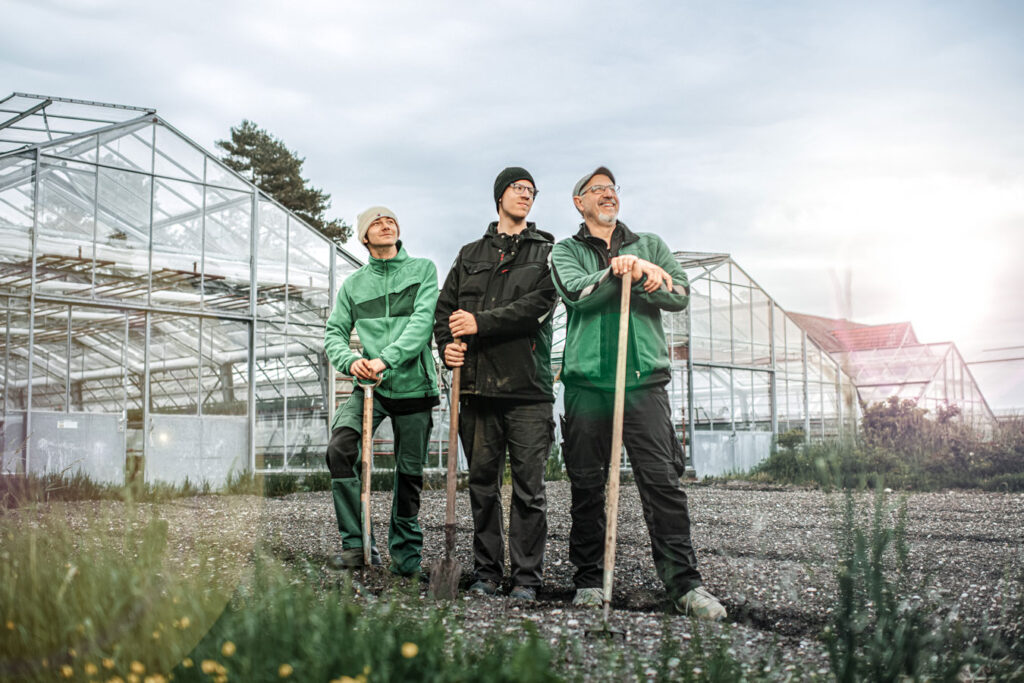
(487, 428)
(657, 460)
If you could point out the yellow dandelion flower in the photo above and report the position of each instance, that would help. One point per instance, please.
(410, 650)
(366, 670)
(156, 635)
(10, 625)
(185, 622)
(72, 652)
(220, 679)
(134, 678)
(285, 670)
(66, 671)
(115, 679)
(91, 669)
(187, 663)
(137, 667)
(208, 666)
(228, 648)
(108, 663)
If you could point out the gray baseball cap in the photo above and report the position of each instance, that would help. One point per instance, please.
(581, 184)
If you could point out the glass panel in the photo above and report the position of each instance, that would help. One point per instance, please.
(97, 375)
(15, 353)
(813, 362)
(307, 402)
(177, 241)
(122, 235)
(741, 322)
(49, 357)
(177, 158)
(129, 147)
(222, 176)
(761, 401)
(226, 249)
(309, 270)
(272, 259)
(83, 149)
(173, 364)
(701, 398)
(760, 308)
(16, 190)
(270, 389)
(225, 359)
(67, 221)
(700, 320)
(721, 335)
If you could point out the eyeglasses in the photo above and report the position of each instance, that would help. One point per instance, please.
(599, 189)
(519, 188)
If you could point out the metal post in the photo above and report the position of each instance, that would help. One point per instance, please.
(251, 364)
(147, 428)
(67, 365)
(32, 317)
(152, 200)
(95, 219)
(690, 412)
(287, 319)
(773, 391)
(807, 412)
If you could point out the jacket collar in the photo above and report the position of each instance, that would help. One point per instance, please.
(401, 257)
(621, 231)
(530, 233)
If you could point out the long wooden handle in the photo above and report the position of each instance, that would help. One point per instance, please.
(453, 443)
(364, 494)
(612, 496)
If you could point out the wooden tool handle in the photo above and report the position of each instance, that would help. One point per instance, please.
(453, 442)
(615, 464)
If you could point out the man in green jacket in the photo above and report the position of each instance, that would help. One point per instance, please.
(587, 269)
(390, 303)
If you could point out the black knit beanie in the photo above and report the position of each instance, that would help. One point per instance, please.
(506, 178)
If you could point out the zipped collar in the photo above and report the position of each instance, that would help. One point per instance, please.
(530, 233)
(621, 232)
(379, 264)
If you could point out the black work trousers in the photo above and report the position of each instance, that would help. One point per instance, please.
(488, 428)
(657, 460)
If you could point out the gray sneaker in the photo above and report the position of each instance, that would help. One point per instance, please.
(524, 593)
(588, 597)
(701, 604)
(352, 558)
(484, 587)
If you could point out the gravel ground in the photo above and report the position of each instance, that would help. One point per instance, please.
(769, 555)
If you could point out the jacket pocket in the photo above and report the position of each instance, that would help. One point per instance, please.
(474, 280)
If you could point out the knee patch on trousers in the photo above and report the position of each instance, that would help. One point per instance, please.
(586, 477)
(408, 493)
(342, 453)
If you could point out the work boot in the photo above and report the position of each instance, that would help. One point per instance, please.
(701, 604)
(352, 558)
(484, 587)
(524, 593)
(588, 597)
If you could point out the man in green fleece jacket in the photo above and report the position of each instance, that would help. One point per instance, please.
(390, 302)
(587, 270)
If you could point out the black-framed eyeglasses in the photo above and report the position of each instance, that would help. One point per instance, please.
(519, 188)
(599, 189)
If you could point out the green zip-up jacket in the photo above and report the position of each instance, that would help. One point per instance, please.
(390, 302)
(583, 278)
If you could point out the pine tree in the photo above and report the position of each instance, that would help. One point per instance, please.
(275, 169)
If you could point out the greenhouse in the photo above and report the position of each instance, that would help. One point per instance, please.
(745, 372)
(161, 313)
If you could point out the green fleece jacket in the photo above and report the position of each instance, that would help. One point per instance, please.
(390, 302)
(584, 280)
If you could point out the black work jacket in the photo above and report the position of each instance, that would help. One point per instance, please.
(505, 282)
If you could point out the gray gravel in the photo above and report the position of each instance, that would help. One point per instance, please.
(769, 555)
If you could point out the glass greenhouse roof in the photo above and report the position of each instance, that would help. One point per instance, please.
(27, 120)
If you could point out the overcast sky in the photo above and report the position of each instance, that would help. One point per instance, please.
(879, 144)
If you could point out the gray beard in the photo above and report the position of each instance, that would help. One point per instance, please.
(607, 219)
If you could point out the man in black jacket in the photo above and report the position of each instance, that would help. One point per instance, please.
(493, 320)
